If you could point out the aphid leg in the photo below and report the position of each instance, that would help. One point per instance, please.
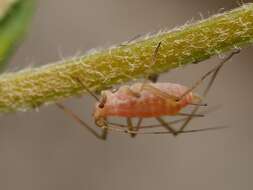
(133, 128)
(104, 127)
(187, 131)
(197, 107)
(153, 78)
(190, 114)
(158, 92)
(131, 92)
(114, 127)
(153, 61)
(130, 126)
(215, 72)
(81, 122)
(166, 125)
(138, 125)
(198, 104)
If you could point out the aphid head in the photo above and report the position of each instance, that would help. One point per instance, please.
(99, 111)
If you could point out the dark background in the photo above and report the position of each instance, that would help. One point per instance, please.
(46, 150)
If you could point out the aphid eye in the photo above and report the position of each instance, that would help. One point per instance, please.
(138, 95)
(101, 105)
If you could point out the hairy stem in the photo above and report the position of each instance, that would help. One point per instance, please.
(193, 43)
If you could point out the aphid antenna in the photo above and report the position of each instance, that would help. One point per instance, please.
(153, 61)
(76, 118)
(86, 88)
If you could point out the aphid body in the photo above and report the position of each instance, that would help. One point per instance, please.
(148, 100)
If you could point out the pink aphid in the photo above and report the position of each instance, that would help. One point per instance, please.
(144, 100)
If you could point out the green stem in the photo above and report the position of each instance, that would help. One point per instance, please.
(31, 88)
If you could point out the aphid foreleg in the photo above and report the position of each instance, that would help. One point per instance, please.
(82, 123)
(215, 72)
(153, 78)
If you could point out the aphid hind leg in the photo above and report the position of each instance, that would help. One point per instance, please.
(213, 70)
(197, 107)
(137, 127)
(214, 73)
(82, 123)
(130, 126)
(166, 125)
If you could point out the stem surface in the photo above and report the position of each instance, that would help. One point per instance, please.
(193, 43)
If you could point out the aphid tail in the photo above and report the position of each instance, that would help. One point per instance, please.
(196, 99)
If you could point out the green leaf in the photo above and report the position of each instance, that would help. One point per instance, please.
(13, 25)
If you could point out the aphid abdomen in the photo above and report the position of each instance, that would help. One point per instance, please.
(176, 90)
(147, 108)
(148, 104)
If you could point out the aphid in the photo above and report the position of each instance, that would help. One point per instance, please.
(147, 100)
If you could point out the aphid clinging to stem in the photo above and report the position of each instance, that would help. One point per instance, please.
(147, 100)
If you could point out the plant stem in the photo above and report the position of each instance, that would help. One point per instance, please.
(193, 43)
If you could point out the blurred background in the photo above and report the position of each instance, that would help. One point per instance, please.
(46, 150)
